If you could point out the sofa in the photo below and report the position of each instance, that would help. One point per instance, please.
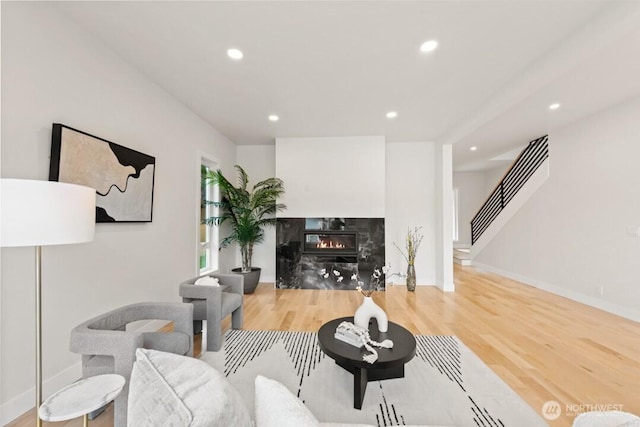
(170, 390)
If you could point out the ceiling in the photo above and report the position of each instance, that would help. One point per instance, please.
(331, 68)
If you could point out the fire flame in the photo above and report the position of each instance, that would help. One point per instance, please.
(329, 245)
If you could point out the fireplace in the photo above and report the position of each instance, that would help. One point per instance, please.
(330, 243)
(308, 248)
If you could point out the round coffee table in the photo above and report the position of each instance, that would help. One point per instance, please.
(390, 363)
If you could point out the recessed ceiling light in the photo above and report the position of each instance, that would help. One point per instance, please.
(429, 46)
(392, 115)
(474, 148)
(274, 118)
(235, 54)
(554, 106)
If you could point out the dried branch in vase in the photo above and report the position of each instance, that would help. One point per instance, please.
(412, 244)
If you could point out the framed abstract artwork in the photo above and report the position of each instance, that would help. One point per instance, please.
(123, 178)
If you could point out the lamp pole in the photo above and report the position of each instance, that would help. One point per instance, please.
(70, 218)
(38, 334)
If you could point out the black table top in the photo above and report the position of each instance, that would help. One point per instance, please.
(404, 345)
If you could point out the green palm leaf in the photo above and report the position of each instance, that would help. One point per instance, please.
(248, 211)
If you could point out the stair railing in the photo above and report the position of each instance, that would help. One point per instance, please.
(518, 174)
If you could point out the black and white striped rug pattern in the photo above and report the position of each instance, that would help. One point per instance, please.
(242, 347)
(445, 384)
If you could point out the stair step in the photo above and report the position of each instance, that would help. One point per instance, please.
(461, 260)
(462, 252)
(462, 255)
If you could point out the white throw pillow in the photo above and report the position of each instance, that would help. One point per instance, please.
(171, 390)
(207, 281)
(606, 419)
(277, 407)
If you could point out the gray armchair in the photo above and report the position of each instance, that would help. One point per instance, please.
(108, 348)
(214, 303)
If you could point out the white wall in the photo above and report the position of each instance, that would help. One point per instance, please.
(410, 202)
(444, 216)
(259, 163)
(471, 195)
(407, 197)
(332, 177)
(572, 236)
(52, 71)
(492, 177)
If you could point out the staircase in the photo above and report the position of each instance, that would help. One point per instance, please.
(462, 256)
(525, 176)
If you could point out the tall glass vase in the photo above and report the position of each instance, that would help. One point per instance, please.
(411, 278)
(366, 311)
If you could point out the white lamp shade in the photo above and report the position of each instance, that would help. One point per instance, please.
(39, 213)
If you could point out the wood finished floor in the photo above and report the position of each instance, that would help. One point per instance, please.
(543, 346)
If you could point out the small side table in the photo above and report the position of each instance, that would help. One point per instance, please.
(82, 397)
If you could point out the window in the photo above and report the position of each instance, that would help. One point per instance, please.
(208, 234)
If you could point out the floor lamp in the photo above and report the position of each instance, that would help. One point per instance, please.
(41, 213)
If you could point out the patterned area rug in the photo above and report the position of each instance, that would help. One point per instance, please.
(445, 384)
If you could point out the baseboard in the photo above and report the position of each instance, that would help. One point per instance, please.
(566, 293)
(267, 278)
(22, 403)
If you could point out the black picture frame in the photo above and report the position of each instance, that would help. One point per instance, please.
(123, 178)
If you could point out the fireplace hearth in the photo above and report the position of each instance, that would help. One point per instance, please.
(310, 250)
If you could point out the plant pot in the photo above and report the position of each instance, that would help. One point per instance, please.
(251, 278)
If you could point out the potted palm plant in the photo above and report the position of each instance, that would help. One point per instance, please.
(249, 212)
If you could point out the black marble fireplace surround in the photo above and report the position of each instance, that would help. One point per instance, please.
(308, 250)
